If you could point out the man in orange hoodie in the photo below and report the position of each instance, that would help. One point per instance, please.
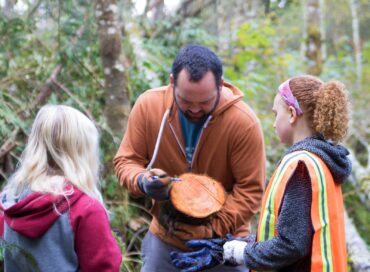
(198, 123)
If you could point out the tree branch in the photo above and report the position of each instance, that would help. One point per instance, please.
(9, 143)
(45, 91)
(34, 9)
(177, 21)
(47, 88)
(67, 91)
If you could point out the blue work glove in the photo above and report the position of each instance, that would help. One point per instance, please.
(155, 184)
(208, 255)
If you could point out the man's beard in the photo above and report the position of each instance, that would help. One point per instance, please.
(196, 118)
(204, 114)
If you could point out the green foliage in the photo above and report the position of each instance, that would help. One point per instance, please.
(128, 264)
(257, 67)
(265, 52)
(161, 48)
(8, 120)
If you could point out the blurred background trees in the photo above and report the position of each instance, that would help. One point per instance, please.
(98, 56)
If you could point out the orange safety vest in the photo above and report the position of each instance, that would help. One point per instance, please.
(327, 213)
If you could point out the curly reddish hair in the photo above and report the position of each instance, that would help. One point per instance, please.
(326, 105)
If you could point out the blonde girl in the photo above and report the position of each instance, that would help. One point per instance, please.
(52, 207)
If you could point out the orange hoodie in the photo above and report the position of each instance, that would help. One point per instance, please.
(230, 149)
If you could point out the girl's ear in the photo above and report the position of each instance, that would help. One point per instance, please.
(293, 115)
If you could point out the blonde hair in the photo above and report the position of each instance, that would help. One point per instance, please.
(63, 145)
(325, 105)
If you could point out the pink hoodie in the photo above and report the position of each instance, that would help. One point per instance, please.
(60, 233)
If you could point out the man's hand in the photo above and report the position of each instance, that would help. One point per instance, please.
(155, 184)
(208, 255)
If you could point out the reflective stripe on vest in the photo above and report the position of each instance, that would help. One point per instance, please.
(328, 248)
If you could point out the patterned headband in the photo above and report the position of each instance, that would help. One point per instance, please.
(288, 97)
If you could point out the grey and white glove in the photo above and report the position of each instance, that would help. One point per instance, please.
(234, 252)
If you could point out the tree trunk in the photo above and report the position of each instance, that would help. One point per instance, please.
(117, 104)
(356, 42)
(8, 10)
(303, 47)
(159, 10)
(357, 250)
(313, 41)
(323, 30)
(267, 6)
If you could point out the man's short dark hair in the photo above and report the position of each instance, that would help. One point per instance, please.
(197, 61)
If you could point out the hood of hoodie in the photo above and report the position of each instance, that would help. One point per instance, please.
(33, 213)
(334, 156)
(229, 96)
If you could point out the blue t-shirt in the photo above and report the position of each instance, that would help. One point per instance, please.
(190, 131)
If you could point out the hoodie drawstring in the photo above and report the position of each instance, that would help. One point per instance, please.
(159, 137)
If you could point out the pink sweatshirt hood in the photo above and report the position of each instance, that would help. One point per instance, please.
(33, 215)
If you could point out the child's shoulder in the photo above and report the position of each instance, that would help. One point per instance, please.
(300, 155)
(304, 159)
(85, 204)
(87, 214)
(293, 159)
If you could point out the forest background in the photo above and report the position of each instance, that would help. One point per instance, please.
(98, 56)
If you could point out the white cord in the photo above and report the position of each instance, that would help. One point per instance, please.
(156, 148)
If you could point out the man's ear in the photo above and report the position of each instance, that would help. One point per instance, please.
(172, 80)
(221, 82)
(293, 115)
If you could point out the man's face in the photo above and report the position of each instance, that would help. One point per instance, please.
(195, 99)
